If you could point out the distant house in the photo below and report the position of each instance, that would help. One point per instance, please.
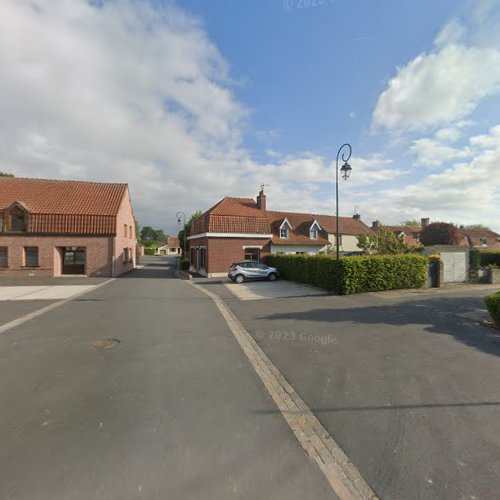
(482, 239)
(410, 234)
(238, 229)
(170, 247)
(56, 228)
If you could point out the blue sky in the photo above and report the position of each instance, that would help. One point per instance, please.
(193, 100)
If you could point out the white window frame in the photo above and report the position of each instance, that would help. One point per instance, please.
(284, 228)
(315, 228)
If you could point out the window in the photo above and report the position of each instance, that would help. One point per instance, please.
(4, 257)
(130, 232)
(313, 233)
(125, 230)
(17, 219)
(284, 233)
(252, 254)
(340, 240)
(203, 224)
(483, 241)
(31, 256)
(203, 258)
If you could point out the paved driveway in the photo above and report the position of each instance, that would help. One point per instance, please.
(259, 290)
(409, 386)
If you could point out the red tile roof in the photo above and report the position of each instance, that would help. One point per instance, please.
(173, 242)
(241, 216)
(57, 206)
(482, 238)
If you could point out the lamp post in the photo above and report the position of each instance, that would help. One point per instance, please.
(178, 215)
(346, 172)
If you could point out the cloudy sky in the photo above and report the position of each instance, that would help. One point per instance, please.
(194, 100)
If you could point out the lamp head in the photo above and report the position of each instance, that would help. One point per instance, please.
(346, 171)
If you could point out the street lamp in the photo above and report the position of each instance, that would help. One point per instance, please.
(178, 215)
(346, 172)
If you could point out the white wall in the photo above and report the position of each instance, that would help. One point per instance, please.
(297, 248)
(349, 243)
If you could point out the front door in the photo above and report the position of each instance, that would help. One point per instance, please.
(73, 260)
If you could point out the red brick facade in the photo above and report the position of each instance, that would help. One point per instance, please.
(220, 253)
(89, 228)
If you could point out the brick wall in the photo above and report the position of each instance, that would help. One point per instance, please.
(98, 254)
(222, 252)
(125, 238)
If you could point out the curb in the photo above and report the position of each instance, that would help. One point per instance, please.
(343, 476)
(182, 275)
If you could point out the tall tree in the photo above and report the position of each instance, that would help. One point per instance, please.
(440, 233)
(147, 233)
(159, 235)
(382, 242)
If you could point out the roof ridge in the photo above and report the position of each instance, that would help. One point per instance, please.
(63, 180)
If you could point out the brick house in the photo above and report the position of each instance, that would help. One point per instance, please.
(238, 229)
(482, 239)
(170, 247)
(410, 234)
(56, 228)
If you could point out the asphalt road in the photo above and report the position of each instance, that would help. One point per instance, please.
(408, 386)
(174, 411)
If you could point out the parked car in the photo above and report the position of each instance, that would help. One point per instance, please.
(250, 270)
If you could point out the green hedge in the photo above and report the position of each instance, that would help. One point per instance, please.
(493, 304)
(490, 258)
(149, 250)
(184, 265)
(358, 273)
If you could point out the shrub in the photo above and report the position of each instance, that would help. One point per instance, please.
(184, 265)
(493, 305)
(474, 258)
(149, 250)
(357, 274)
(490, 258)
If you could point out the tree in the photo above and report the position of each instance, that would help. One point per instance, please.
(147, 233)
(477, 226)
(410, 222)
(5, 174)
(187, 230)
(159, 235)
(440, 233)
(383, 242)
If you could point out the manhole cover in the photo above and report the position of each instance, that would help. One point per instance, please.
(104, 343)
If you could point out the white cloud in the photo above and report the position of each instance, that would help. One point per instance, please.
(132, 92)
(439, 87)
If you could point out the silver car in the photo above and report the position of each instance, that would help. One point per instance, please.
(250, 270)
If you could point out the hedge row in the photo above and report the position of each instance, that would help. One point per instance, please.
(493, 304)
(149, 250)
(490, 258)
(357, 274)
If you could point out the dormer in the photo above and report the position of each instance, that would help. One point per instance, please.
(15, 218)
(284, 228)
(313, 230)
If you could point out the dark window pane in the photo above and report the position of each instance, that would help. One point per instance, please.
(4, 257)
(31, 254)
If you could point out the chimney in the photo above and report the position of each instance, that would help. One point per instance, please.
(376, 224)
(261, 200)
(356, 217)
(425, 221)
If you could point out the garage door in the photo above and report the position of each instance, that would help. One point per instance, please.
(454, 266)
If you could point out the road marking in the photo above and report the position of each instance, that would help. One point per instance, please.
(343, 476)
(50, 307)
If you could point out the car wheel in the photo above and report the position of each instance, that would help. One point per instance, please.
(272, 277)
(240, 278)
